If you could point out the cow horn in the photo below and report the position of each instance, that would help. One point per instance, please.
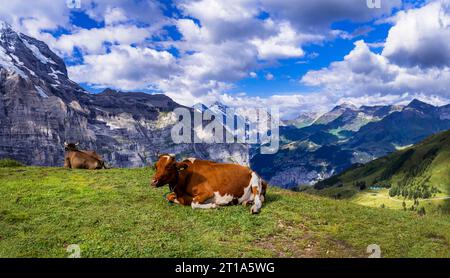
(65, 144)
(77, 144)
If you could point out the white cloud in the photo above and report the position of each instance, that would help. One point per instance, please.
(285, 44)
(269, 76)
(92, 41)
(31, 18)
(318, 15)
(113, 11)
(421, 37)
(115, 15)
(125, 67)
(363, 73)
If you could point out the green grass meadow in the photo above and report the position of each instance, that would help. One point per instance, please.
(115, 213)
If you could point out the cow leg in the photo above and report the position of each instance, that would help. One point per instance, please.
(256, 187)
(184, 200)
(172, 197)
(199, 201)
(67, 163)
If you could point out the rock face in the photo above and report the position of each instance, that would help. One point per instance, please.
(40, 108)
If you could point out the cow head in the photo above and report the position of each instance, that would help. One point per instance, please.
(166, 170)
(70, 147)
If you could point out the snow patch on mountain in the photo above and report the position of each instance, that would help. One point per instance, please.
(41, 92)
(54, 74)
(7, 62)
(37, 53)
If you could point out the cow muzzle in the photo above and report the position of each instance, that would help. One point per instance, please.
(154, 183)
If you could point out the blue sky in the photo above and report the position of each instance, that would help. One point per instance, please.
(296, 54)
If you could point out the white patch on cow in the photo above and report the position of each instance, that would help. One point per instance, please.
(166, 160)
(247, 196)
(222, 200)
(257, 204)
(195, 205)
(256, 183)
(191, 159)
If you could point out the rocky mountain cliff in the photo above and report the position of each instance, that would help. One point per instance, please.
(40, 108)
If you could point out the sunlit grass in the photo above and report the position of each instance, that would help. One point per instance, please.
(115, 213)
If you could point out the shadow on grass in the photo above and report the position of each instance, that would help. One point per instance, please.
(272, 198)
(445, 207)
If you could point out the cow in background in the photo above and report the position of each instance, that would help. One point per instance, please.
(205, 184)
(80, 159)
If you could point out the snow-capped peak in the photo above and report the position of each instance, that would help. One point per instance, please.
(4, 26)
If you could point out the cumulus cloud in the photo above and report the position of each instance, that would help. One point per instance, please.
(225, 20)
(114, 15)
(363, 74)
(420, 37)
(113, 11)
(125, 67)
(32, 18)
(92, 41)
(320, 14)
(285, 44)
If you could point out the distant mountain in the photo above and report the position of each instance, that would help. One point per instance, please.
(303, 120)
(415, 172)
(399, 129)
(345, 136)
(444, 112)
(335, 113)
(40, 108)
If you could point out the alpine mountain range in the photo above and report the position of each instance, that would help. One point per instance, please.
(41, 108)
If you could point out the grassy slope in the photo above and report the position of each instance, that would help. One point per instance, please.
(385, 170)
(115, 213)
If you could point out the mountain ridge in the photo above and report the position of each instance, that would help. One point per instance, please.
(387, 129)
(41, 108)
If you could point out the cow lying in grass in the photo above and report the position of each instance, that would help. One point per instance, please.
(79, 159)
(205, 184)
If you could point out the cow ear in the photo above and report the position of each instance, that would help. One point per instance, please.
(181, 166)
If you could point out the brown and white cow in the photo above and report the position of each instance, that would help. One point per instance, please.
(204, 184)
(80, 159)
